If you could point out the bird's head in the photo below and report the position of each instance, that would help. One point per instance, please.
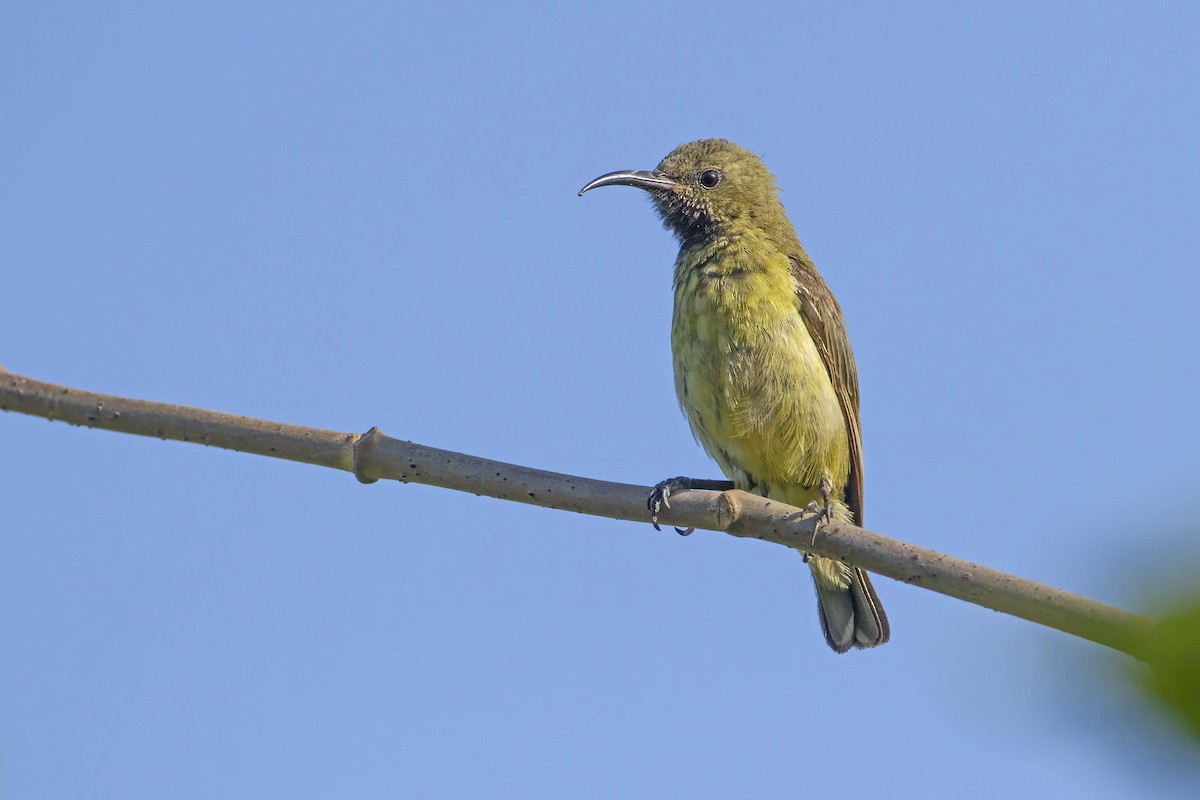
(707, 188)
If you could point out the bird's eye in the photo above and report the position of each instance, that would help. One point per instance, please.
(710, 178)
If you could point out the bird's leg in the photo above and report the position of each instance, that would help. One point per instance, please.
(826, 489)
(660, 498)
(823, 510)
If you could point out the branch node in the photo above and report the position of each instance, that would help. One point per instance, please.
(363, 451)
(725, 510)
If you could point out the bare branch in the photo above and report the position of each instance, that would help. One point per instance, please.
(373, 455)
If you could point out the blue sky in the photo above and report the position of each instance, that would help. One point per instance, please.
(365, 214)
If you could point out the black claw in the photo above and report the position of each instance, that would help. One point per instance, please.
(659, 499)
(824, 511)
(684, 531)
(822, 518)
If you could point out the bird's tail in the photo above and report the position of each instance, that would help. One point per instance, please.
(851, 614)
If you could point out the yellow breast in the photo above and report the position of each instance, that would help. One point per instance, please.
(750, 379)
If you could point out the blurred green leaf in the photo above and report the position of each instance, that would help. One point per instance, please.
(1172, 650)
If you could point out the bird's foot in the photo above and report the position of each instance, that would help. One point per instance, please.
(823, 510)
(660, 497)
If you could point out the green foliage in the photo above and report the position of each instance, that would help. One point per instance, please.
(1172, 650)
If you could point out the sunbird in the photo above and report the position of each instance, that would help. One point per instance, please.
(763, 366)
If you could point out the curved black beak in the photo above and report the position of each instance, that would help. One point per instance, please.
(640, 179)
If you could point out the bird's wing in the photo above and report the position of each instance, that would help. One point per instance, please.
(823, 317)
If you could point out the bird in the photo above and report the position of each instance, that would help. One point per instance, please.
(763, 367)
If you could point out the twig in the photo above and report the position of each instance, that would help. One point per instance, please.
(373, 455)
